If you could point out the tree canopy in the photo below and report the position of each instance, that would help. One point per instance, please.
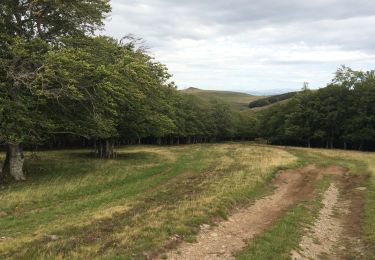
(339, 115)
(31, 31)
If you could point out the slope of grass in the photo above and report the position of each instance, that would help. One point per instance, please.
(271, 100)
(128, 207)
(237, 100)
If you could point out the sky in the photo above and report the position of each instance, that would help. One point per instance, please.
(251, 45)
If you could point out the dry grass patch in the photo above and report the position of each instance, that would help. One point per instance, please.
(130, 206)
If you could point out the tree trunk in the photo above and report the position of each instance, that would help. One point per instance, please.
(4, 167)
(95, 149)
(109, 151)
(308, 143)
(13, 164)
(105, 149)
(360, 145)
(100, 153)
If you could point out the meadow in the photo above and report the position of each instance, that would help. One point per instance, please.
(151, 197)
(236, 100)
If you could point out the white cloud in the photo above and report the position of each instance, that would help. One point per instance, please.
(251, 45)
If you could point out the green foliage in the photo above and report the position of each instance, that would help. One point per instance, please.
(57, 80)
(82, 97)
(29, 32)
(339, 115)
(48, 20)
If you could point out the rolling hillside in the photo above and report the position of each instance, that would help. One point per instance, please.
(267, 101)
(237, 100)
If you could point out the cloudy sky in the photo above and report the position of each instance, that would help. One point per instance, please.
(251, 45)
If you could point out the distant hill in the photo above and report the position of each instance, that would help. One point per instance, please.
(271, 92)
(263, 102)
(237, 100)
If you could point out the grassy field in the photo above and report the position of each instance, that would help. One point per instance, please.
(73, 206)
(130, 206)
(237, 100)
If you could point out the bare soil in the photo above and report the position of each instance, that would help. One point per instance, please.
(352, 192)
(336, 233)
(228, 237)
(327, 230)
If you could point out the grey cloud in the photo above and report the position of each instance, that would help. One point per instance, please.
(204, 35)
(319, 21)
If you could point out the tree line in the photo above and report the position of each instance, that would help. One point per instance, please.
(59, 83)
(341, 115)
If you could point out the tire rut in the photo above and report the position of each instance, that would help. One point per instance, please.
(335, 234)
(228, 237)
(327, 230)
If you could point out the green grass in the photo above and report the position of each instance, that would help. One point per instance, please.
(237, 100)
(130, 206)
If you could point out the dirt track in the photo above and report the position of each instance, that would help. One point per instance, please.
(336, 231)
(327, 229)
(221, 241)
